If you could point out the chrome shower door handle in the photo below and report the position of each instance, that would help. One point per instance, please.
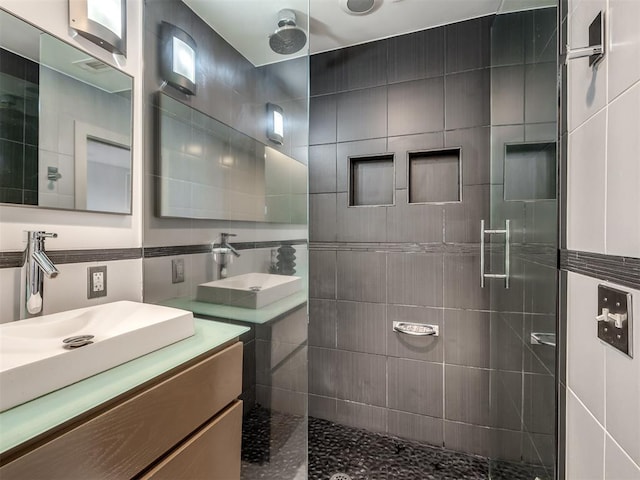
(507, 253)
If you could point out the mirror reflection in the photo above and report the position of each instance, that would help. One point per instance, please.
(65, 124)
(208, 170)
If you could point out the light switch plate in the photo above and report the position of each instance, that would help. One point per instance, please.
(97, 281)
(177, 270)
(618, 305)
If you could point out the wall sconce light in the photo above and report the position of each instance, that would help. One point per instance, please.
(178, 58)
(275, 123)
(102, 22)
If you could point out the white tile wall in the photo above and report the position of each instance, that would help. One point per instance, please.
(624, 45)
(603, 396)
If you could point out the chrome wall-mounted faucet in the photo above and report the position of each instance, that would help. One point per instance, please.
(224, 242)
(222, 254)
(37, 265)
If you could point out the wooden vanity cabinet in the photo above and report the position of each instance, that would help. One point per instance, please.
(185, 426)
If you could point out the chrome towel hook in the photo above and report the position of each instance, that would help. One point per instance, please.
(595, 51)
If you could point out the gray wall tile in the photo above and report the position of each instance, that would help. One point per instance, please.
(507, 341)
(467, 335)
(506, 404)
(540, 102)
(323, 315)
(467, 395)
(416, 107)
(362, 276)
(322, 119)
(539, 403)
(362, 66)
(322, 371)
(363, 416)
(322, 76)
(362, 327)
(468, 44)
(371, 181)
(401, 145)
(362, 114)
(507, 39)
(415, 386)
(322, 407)
(489, 442)
(359, 148)
(462, 219)
(507, 95)
(500, 136)
(360, 224)
(467, 99)
(361, 377)
(475, 155)
(434, 177)
(416, 427)
(540, 35)
(322, 168)
(416, 55)
(423, 223)
(322, 217)
(322, 274)
(415, 279)
(539, 358)
(417, 348)
(462, 283)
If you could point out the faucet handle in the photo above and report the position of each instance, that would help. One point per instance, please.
(47, 235)
(224, 234)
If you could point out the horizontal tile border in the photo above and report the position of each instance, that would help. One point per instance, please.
(622, 270)
(16, 259)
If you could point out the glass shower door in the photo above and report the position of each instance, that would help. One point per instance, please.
(520, 240)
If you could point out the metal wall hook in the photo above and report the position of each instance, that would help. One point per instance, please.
(595, 51)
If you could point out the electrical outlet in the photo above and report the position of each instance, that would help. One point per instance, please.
(97, 282)
(177, 270)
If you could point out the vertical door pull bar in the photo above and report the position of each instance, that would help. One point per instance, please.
(507, 253)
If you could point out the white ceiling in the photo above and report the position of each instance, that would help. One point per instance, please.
(247, 24)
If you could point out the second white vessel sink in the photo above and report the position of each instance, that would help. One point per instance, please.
(251, 290)
(35, 360)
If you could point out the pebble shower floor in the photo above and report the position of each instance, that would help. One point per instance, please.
(337, 450)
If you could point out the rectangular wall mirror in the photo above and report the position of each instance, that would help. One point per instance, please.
(208, 170)
(65, 124)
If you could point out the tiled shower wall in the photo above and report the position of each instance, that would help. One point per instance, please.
(414, 262)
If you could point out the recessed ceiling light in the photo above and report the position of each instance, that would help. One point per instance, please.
(358, 7)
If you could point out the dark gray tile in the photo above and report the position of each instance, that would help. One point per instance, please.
(468, 45)
(507, 95)
(410, 347)
(361, 377)
(541, 98)
(467, 395)
(416, 55)
(358, 415)
(541, 222)
(362, 276)
(539, 358)
(540, 35)
(421, 223)
(435, 177)
(462, 219)
(539, 403)
(467, 338)
(322, 371)
(371, 181)
(507, 39)
(400, 146)
(476, 153)
(415, 386)
(348, 149)
(322, 168)
(462, 283)
(289, 373)
(362, 66)
(322, 407)
(467, 99)
(360, 224)
(361, 327)
(506, 399)
(322, 119)
(322, 323)
(541, 288)
(416, 427)
(500, 137)
(507, 341)
(322, 72)
(322, 217)
(322, 274)
(502, 210)
(478, 440)
(416, 107)
(362, 114)
(541, 132)
(539, 449)
(415, 279)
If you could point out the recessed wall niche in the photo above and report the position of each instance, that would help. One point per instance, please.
(371, 180)
(434, 176)
(530, 171)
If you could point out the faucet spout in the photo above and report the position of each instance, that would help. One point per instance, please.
(37, 265)
(224, 242)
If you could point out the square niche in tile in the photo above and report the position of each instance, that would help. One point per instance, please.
(434, 176)
(371, 180)
(530, 171)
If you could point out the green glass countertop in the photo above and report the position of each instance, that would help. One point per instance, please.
(26, 421)
(249, 315)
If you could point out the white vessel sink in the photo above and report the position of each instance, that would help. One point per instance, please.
(34, 360)
(251, 290)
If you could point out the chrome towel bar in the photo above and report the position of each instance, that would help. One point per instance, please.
(416, 329)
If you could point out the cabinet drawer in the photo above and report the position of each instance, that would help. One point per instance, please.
(212, 453)
(127, 438)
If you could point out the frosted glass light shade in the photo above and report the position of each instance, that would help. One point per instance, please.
(178, 60)
(275, 123)
(102, 22)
